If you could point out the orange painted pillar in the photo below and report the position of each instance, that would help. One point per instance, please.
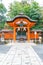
(28, 35)
(14, 35)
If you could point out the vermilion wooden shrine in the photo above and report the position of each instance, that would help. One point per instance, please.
(21, 23)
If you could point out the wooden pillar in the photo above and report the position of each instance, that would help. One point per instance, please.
(28, 34)
(14, 35)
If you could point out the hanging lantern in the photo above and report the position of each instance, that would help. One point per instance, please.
(18, 29)
(24, 29)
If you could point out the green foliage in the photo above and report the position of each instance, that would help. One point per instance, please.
(2, 16)
(32, 10)
(15, 9)
(2, 9)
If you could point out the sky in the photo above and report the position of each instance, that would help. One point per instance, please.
(7, 2)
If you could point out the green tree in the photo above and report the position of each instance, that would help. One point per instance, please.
(32, 10)
(15, 9)
(2, 15)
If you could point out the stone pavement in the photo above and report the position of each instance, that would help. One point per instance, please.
(39, 50)
(20, 54)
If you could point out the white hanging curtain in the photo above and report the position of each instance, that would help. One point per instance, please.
(20, 22)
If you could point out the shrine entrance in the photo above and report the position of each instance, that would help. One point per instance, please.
(21, 25)
(21, 33)
(21, 30)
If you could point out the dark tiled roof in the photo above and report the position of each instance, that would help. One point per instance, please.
(21, 15)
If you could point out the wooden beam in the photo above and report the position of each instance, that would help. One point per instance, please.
(14, 35)
(28, 34)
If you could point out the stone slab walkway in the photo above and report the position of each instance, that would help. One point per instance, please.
(20, 54)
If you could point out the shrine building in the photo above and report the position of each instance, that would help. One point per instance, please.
(21, 25)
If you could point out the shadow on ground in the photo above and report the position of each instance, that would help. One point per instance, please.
(4, 49)
(39, 50)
